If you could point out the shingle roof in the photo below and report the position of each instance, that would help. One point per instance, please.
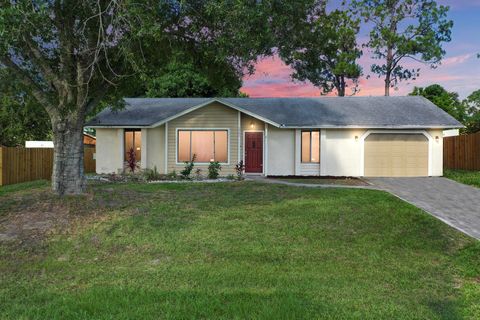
(324, 112)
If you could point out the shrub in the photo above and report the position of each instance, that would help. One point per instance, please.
(185, 173)
(152, 174)
(134, 177)
(240, 170)
(214, 169)
(198, 174)
(132, 162)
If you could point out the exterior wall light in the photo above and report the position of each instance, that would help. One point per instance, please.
(356, 138)
(437, 139)
(252, 125)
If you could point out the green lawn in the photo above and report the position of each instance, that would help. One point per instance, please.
(236, 250)
(329, 181)
(26, 186)
(464, 176)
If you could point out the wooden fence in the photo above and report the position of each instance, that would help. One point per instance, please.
(462, 152)
(28, 164)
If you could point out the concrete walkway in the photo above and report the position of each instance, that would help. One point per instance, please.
(454, 203)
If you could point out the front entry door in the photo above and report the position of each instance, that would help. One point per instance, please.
(254, 152)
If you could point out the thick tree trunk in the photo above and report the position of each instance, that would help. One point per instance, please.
(68, 174)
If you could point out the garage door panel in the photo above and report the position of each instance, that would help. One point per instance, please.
(396, 155)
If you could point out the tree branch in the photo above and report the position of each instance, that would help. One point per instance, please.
(42, 63)
(37, 91)
(96, 98)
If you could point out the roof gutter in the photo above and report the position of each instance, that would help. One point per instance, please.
(373, 127)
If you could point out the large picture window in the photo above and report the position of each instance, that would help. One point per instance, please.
(133, 140)
(206, 145)
(311, 146)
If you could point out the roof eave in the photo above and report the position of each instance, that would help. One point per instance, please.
(374, 127)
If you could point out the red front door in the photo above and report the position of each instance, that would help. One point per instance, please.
(254, 152)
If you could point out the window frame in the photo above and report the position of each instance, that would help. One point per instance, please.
(310, 152)
(177, 130)
(125, 130)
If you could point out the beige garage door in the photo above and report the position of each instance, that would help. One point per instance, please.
(396, 155)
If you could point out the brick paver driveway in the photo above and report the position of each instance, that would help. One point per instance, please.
(452, 202)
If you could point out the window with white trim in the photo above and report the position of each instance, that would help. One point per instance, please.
(206, 145)
(310, 146)
(133, 143)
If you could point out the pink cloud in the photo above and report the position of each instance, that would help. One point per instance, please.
(451, 61)
(270, 66)
(272, 78)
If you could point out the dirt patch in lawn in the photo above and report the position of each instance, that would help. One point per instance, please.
(27, 218)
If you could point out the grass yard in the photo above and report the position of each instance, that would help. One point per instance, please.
(231, 251)
(464, 176)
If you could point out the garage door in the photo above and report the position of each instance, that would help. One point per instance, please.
(396, 155)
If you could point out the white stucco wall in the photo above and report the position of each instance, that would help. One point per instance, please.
(109, 150)
(153, 144)
(281, 155)
(437, 152)
(341, 152)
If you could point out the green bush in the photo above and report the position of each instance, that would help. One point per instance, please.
(214, 169)
(187, 171)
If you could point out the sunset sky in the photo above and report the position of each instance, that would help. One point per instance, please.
(460, 69)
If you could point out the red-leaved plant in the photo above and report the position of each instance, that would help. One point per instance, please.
(240, 169)
(132, 162)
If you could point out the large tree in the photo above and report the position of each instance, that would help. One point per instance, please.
(404, 29)
(73, 55)
(324, 51)
(192, 77)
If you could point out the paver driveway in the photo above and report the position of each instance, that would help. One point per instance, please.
(452, 202)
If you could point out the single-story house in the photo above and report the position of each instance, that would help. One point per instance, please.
(326, 136)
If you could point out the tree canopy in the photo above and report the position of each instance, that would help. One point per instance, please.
(448, 101)
(72, 56)
(404, 29)
(466, 111)
(20, 117)
(472, 106)
(324, 51)
(188, 77)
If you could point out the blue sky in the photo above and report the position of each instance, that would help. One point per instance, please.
(459, 72)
